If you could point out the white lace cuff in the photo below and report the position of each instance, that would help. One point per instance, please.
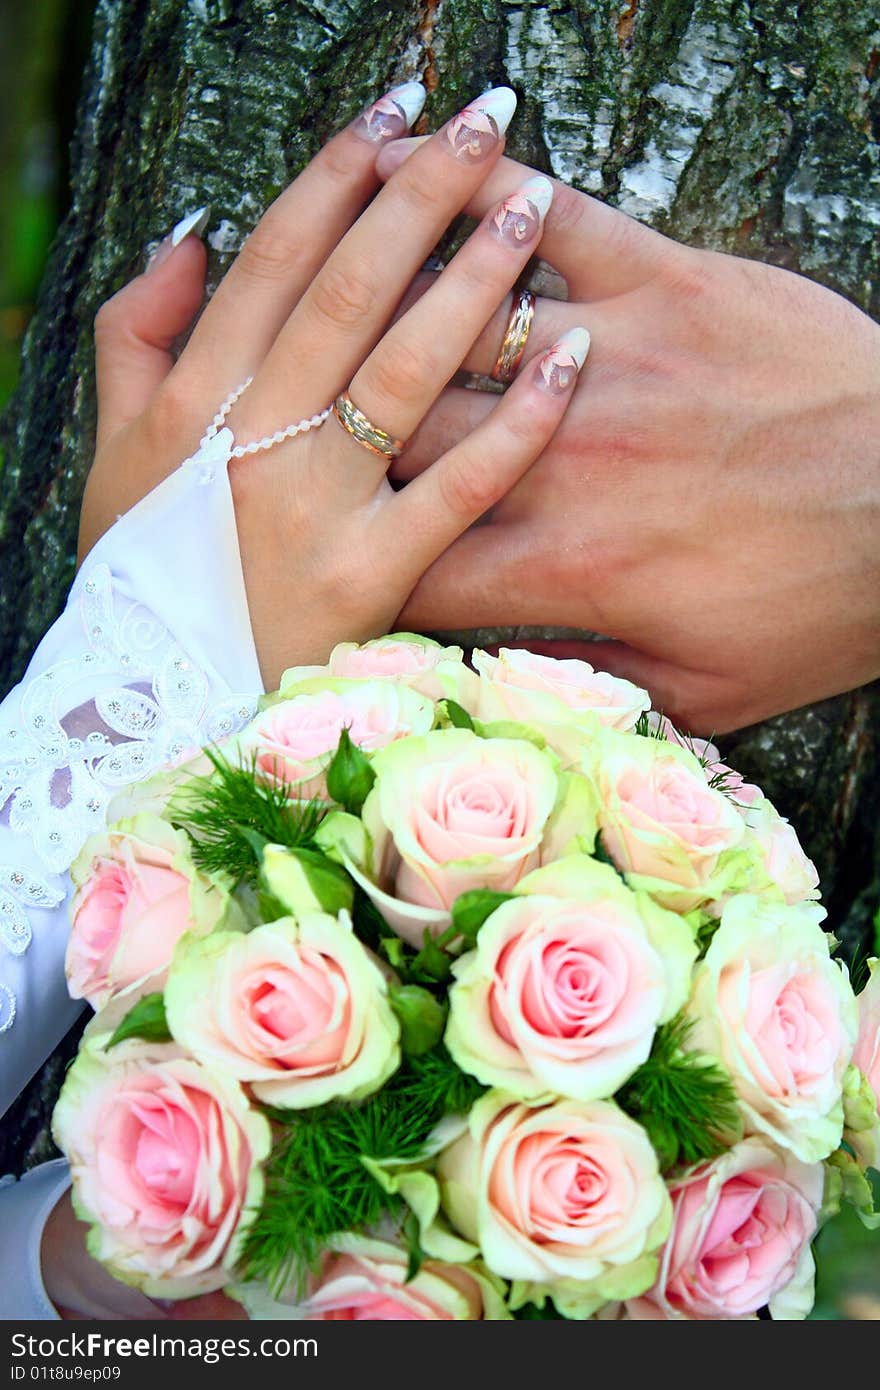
(152, 658)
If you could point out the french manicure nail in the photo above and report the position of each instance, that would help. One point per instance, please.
(520, 217)
(557, 368)
(392, 115)
(191, 225)
(475, 131)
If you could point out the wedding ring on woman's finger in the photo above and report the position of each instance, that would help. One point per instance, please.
(516, 335)
(377, 440)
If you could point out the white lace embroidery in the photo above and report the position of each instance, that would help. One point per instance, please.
(128, 705)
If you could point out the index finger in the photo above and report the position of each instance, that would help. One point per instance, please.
(600, 251)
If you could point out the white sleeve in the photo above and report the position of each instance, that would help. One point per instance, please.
(152, 658)
(25, 1207)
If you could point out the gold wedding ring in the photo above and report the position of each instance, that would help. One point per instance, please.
(516, 335)
(364, 431)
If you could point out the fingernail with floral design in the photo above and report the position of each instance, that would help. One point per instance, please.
(392, 115)
(474, 132)
(519, 219)
(557, 369)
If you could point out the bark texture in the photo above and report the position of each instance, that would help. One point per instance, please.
(749, 126)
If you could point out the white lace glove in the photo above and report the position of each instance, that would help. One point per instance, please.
(147, 661)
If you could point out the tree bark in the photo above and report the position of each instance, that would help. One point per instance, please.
(749, 126)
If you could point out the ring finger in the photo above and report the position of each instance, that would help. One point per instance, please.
(407, 371)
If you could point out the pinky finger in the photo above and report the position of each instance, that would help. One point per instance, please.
(435, 508)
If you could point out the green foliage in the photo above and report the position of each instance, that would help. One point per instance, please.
(684, 1100)
(146, 1019)
(232, 815)
(471, 910)
(349, 775)
(316, 1182)
(457, 715)
(422, 1018)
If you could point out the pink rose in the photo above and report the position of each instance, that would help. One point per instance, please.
(366, 1281)
(138, 891)
(565, 700)
(452, 811)
(298, 1009)
(295, 740)
(166, 1158)
(660, 822)
(405, 659)
(779, 1013)
(566, 1198)
(567, 984)
(865, 1140)
(741, 1233)
(779, 848)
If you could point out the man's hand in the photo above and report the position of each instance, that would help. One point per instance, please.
(711, 500)
(82, 1290)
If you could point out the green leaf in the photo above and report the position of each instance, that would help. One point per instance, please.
(145, 1020)
(394, 951)
(305, 880)
(410, 1233)
(349, 776)
(471, 909)
(457, 715)
(432, 962)
(422, 1019)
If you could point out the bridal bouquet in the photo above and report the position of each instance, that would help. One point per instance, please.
(443, 992)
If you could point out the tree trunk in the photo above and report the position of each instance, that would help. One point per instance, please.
(747, 126)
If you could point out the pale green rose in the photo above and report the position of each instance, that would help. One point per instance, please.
(566, 1199)
(567, 984)
(362, 1278)
(402, 658)
(166, 1159)
(451, 811)
(568, 701)
(297, 1009)
(137, 892)
(779, 1014)
(665, 828)
(165, 792)
(292, 740)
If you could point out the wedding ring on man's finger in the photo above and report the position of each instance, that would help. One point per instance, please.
(516, 335)
(378, 441)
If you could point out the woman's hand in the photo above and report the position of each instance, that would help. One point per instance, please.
(712, 500)
(328, 550)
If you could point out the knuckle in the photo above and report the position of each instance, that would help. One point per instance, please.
(111, 317)
(269, 255)
(419, 193)
(400, 372)
(343, 296)
(466, 489)
(340, 159)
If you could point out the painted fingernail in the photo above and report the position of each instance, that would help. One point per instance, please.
(392, 115)
(519, 218)
(192, 225)
(475, 131)
(557, 369)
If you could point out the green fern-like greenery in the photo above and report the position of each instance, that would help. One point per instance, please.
(232, 814)
(684, 1100)
(316, 1181)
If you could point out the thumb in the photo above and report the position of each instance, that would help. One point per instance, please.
(136, 329)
